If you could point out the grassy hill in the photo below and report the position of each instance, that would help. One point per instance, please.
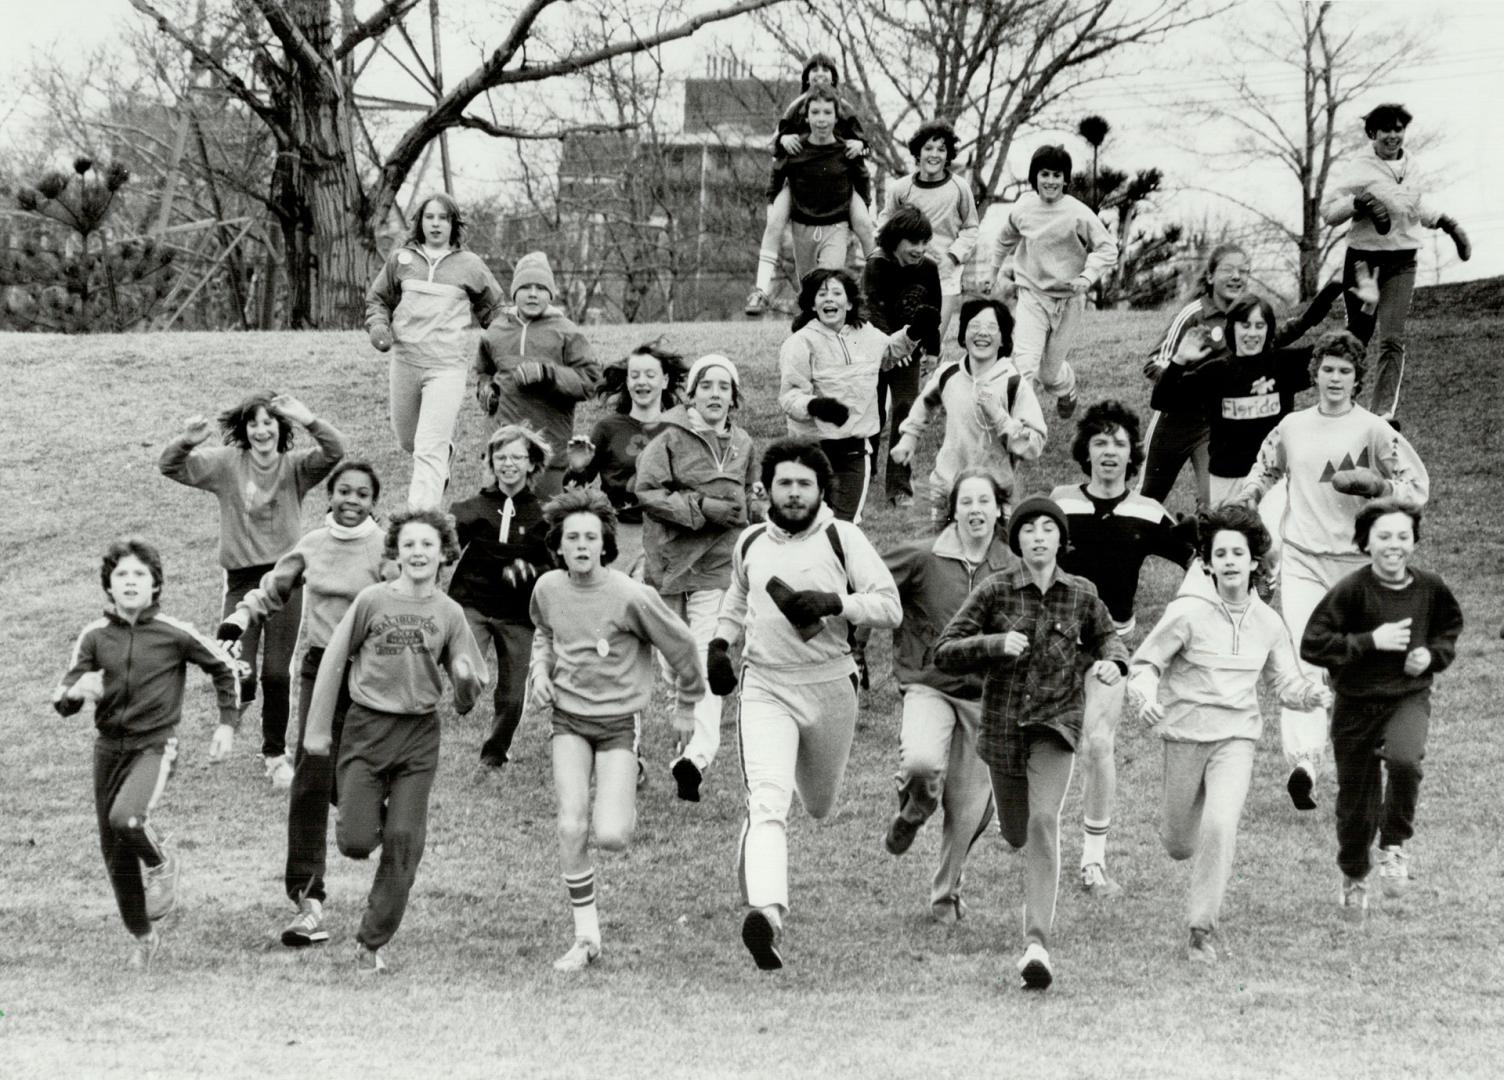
(872, 989)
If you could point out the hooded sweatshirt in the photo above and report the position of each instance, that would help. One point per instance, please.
(686, 463)
(974, 436)
(428, 303)
(1204, 661)
(817, 361)
(805, 560)
(571, 372)
(934, 579)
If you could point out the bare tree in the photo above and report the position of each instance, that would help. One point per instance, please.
(1334, 57)
(988, 68)
(298, 76)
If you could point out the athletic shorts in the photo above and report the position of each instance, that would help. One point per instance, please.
(602, 733)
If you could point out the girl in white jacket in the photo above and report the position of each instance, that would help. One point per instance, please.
(1195, 678)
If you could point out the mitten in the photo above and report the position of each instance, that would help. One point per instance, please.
(1367, 205)
(229, 631)
(924, 324)
(381, 338)
(828, 409)
(531, 372)
(519, 574)
(1448, 224)
(804, 608)
(489, 396)
(718, 670)
(1360, 481)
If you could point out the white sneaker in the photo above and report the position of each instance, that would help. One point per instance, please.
(1034, 970)
(581, 955)
(160, 884)
(1394, 875)
(1354, 899)
(278, 772)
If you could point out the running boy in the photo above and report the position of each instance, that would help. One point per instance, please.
(395, 639)
(131, 664)
(1383, 632)
(592, 667)
(1029, 631)
(1060, 249)
(534, 366)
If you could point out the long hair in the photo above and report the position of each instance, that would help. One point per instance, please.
(452, 208)
(613, 388)
(810, 286)
(1241, 309)
(1000, 492)
(234, 420)
(579, 500)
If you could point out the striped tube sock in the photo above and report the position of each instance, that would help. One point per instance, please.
(587, 924)
(1094, 842)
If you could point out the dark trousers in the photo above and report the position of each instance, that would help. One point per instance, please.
(128, 781)
(514, 647)
(1369, 738)
(313, 792)
(274, 641)
(851, 463)
(386, 769)
(1394, 272)
(903, 384)
(1173, 439)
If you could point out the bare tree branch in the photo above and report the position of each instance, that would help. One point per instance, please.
(501, 131)
(391, 11)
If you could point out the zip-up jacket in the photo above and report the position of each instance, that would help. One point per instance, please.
(686, 463)
(428, 303)
(490, 540)
(571, 372)
(934, 579)
(145, 666)
(1204, 661)
(816, 361)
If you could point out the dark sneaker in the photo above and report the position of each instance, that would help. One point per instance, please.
(761, 931)
(1065, 405)
(307, 926)
(901, 833)
(1034, 970)
(1299, 786)
(687, 776)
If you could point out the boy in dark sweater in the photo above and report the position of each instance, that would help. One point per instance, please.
(821, 180)
(1382, 632)
(501, 534)
(131, 664)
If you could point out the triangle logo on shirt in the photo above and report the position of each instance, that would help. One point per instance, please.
(1346, 463)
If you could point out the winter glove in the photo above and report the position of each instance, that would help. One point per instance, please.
(1186, 530)
(721, 511)
(228, 631)
(718, 670)
(489, 395)
(381, 338)
(532, 372)
(924, 324)
(1448, 224)
(804, 608)
(1153, 369)
(1367, 205)
(828, 409)
(519, 574)
(1360, 481)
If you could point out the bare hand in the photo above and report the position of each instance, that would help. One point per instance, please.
(684, 720)
(1014, 643)
(1005, 289)
(1153, 713)
(1392, 636)
(196, 429)
(1193, 349)
(1322, 698)
(1418, 661)
(222, 742)
(855, 148)
(290, 408)
(542, 690)
(791, 144)
(903, 453)
(1079, 286)
(89, 687)
(1106, 672)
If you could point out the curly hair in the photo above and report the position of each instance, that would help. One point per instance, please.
(613, 386)
(452, 208)
(809, 288)
(935, 129)
(1232, 517)
(1377, 508)
(578, 500)
(349, 465)
(800, 451)
(1343, 346)
(126, 546)
(440, 522)
(1000, 491)
(234, 421)
(1101, 419)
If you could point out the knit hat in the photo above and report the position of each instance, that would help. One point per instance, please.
(533, 269)
(1032, 507)
(710, 360)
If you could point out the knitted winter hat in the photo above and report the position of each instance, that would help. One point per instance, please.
(710, 360)
(1033, 507)
(533, 269)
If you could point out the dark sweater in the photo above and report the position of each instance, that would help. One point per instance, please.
(821, 179)
(894, 292)
(477, 582)
(618, 439)
(1339, 635)
(1110, 539)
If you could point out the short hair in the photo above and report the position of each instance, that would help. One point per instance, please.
(1000, 491)
(908, 222)
(234, 421)
(614, 377)
(1101, 419)
(538, 451)
(581, 500)
(452, 208)
(974, 307)
(349, 465)
(1240, 310)
(800, 451)
(1055, 157)
(819, 59)
(132, 545)
(1232, 517)
(1386, 117)
(810, 285)
(821, 93)
(440, 522)
(1214, 260)
(935, 129)
(1377, 508)
(1344, 346)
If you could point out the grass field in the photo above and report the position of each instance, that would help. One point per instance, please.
(871, 989)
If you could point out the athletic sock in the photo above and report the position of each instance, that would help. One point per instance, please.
(767, 264)
(587, 924)
(1094, 842)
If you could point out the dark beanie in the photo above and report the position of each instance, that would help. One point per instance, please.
(1032, 507)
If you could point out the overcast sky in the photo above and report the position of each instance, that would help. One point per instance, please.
(1455, 94)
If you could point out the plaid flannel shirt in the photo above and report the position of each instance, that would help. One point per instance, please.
(1042, 687)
